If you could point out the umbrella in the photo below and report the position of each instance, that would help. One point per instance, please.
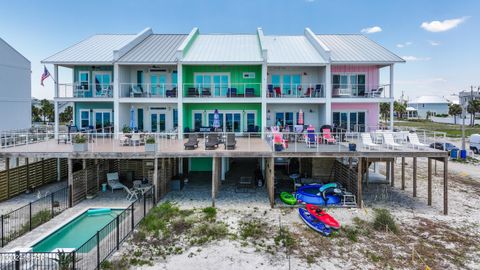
(132, 118)
(300, 117)
(216, 119)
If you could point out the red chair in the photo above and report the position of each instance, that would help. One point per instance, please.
(327, 136)
(278, 91)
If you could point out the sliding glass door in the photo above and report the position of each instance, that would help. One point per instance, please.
(350, 121)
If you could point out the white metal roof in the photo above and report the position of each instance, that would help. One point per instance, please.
(224, 48)
(411, 109)
(357, 48)
(95, 49)
(291, 50)
(155, 49)
(429, 99)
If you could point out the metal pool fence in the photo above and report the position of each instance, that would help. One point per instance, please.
(32, 215)
(94, 251)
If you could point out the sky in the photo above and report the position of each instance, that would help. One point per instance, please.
(439, 39)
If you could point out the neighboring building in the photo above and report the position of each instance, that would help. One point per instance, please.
(412, 113)
(433, 104)
(174, 82)
(466, 96)
(15, 89)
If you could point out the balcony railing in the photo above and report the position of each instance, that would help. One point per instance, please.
(232, 90)
(85, 90)
(147, 90)
(304, 90)
(360, 91)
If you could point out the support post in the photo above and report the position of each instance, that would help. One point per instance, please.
(429, 185)
(57, 95)
(445, 186)
(392, 172)
(403, 173)
(387, 170)
(7, 169)
(155, 178)
(328, 94)
(59, 169)
(366, 172)
(70, 182)
(414, 176)
(359, 182)
(214, 179)
(392, 99)
(270, 180)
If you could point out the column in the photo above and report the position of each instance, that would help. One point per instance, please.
(414, 177)
(429, 182)
(70, 181)
(328, 94)
(359, 182)
(180, 100)
(155, 178)
(7, 169)
(392, 98)
(392, 172)
(270, 181)
(214, 179)
(403, 173)
(57, 92)
(264, 99)
(59, 169)
(445, 186)
(224, 168)
(116, 104)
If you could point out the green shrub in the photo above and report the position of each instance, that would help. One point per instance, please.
(284, 238)
(150, 140)
(210, 213)
(383, 219)
(206, 232)
(254, 228)
(79, 138)
(351, 233)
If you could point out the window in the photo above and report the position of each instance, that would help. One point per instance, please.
(349, 84)
(175, 118)
(102, 83)
(139, 77)
(250, 119)
(197, 121)
(284, 119)
(83, 79)
(218, 82)
(84, 118)
(249, 75)
(350, 121)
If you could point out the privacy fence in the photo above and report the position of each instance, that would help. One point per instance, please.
(32, 215)
(94, 251)
(18, 180)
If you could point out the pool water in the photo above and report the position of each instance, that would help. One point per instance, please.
(76, 232)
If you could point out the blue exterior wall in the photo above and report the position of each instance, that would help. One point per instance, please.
(90, 106)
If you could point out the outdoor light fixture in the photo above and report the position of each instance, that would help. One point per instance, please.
(311, 111)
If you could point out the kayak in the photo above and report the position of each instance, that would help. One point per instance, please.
(323, 216)
(309, 194)
(288, 198)
(313, 222)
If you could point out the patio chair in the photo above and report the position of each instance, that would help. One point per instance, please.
(232, 92)
(192, 142)
(124, 140)
(249, 92)
(376, 93)
(211, 142)
(114, 182)
(278, 91)
(171, 93)
(271, 93)
(136, 91)
(245, 184)
(415, 142)
(367, 141)
(135, 140)
(318, 90)
(327, 136)
(132, 194)
(389, 141)
(311, 138)
(192, 92)
(206, 92)
(231, 142)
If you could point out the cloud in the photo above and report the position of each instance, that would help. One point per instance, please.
(403, 45)
(371, 30)
(442, 26)
(410, 58)
(434, 43)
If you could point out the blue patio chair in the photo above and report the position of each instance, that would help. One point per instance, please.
(271, 93)
(249, 92)
(232, 92)
(311, 138)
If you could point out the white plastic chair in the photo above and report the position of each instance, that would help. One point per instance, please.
(114, 182)
(389, 141)
(415, 142)
(131, 194)
(367, 141)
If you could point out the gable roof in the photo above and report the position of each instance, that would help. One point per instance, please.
(156, 48)
(357, 49)
(291, 50)
(95, 49)
(11, 56)
(224, 48)
(429, 100)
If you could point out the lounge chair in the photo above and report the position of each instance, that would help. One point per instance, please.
(114, 182)
(206, 92)
(318, 90)
(249, 92)
(271, 93)
(136, 91)
(389, 141)
(171, 93)
(367, 141)
(135, 140)
(211, 142)
(230, 142)
(311, 138)
(232, 92)
(192, 142)
(132, 194)
(327, 136)
(415, 142)
(192, 92)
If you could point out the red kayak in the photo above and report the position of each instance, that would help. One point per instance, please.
(323, 216)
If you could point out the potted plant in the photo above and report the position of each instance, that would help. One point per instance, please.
(126, 129)
(80, 143)
(150, 145)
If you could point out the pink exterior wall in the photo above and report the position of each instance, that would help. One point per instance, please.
(372, 109)
(371, 72)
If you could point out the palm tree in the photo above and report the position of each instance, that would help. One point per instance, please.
(46, 110)
(66, 115)
(384, 110)
(454, 110)
(36, 114)
(472, 109)
(400, 108)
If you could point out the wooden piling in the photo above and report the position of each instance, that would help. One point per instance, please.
(403, 173)
(359, 182)
(429, 184)
(414, 176)
(445, 186)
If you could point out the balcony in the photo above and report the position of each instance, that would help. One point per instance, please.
(305, 90)
(381, 91)
(232, 90)
(84, 90)
(148, 90)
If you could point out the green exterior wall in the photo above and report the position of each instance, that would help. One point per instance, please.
(201, 164)
(236, 76)
(189, 107)
(90, 106)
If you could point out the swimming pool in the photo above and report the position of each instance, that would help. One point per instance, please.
(76, 232)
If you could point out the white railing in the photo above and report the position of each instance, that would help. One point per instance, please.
(85, 90)
(231, 90)
(303, 90)
(147, 90)
(361, 90)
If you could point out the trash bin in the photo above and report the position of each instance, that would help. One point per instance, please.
(104, 187)
(463, 154)
(453, 154)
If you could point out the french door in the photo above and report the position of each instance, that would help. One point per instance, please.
(103, 83)
(158, 81)
(350, 121)
(232, 122)
(157, 121)
(103, 121)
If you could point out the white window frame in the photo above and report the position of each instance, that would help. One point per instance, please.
(294, 115)
(211, 74)
(349, 84)
(80, 78)
(348, 116)
(243, 117)
(94, 89)
(80, 118)
(95, 111)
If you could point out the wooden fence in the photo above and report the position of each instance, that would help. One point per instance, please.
(17, 180)
(346, 176)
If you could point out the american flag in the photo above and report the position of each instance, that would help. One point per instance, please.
(45, 75)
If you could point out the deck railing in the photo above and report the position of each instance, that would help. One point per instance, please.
(94, 251)
(85, 90)
(28, 217)
(301, 90)
(231, 90)
(148, 90)
(361, 90)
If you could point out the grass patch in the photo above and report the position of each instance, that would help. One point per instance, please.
(451, 130)
(210, 213)
(285, 238)
(254, 228)
(384, 220)
(206, 232)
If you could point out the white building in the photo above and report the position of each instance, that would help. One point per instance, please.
(433, 104)
(15, 89)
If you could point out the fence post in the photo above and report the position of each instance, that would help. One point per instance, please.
(133, 218)
(17, 260)
(73, 260)
(51, 202)
(30, 215)
(70, 200)
(3, 234)
(144, 205)
(118, 232)
(98, 250)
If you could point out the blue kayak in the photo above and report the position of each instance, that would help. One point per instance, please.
(310, 194)
(313, 222)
